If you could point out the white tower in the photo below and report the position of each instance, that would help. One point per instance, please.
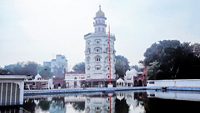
(96, 53)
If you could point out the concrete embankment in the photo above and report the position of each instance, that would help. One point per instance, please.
(80, 90)
(105, 90)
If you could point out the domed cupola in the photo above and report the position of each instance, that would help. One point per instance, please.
(100, 13)
(99, 22)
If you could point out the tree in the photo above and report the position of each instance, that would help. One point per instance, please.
(121, 65)
(174, 60)
(4, 71)
(30, 68)
(79, 68)
(45, 72)
(23, 68)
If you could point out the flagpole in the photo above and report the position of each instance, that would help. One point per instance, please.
(109, 55)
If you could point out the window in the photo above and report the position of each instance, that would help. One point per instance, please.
(98, 41)
(98, 59)
(97, 50)
(98, 67)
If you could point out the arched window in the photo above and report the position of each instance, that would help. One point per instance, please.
(98, 41)
(97, 50)
(98, 58)
(97, 67)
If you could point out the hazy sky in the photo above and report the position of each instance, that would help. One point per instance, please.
(37, 30)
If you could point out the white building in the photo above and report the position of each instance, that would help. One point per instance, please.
(100, 104)
(97, 53)
(129, 77)
(58, 66)
(73, 79)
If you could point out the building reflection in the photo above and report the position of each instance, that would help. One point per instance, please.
(119, 102)
(57, 105)
(100, 104)
(130, 102)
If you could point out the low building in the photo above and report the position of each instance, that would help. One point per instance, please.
(12, 89)
(141, 78)
(129, 77)
(75, 80)
(38, 83)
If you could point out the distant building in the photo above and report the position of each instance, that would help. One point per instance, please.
(196, 49)
(96, 53)
(58, 66)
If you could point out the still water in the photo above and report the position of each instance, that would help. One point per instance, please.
(118, 102)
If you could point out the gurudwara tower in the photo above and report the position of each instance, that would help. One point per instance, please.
(99, 48)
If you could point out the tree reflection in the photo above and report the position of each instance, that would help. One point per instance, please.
(57, 105)
(121, 106)
(157, 105)
(44, 105)
(79, 106)
(29, 105)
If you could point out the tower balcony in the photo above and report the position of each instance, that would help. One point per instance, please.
(96, 24)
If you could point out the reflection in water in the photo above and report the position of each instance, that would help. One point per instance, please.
(13, 109)
(57, 105)
(79, 106)
(121, 106)
(120, 102)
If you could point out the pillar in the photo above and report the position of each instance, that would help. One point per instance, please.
(21, 88)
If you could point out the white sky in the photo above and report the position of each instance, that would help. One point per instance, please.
(37, 30)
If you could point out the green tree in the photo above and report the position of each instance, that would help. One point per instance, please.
(173, 60)
(45, 72)
(44, 105)
(23, 68)
(4, 71)
(79, 68)
(121, 65)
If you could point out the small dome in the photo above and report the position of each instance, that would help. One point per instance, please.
(120, 80)
(100, 13)
(37, 77)
(131, 72)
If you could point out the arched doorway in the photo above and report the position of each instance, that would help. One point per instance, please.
(140, 83)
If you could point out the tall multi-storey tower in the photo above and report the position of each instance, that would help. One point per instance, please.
(97, 66)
